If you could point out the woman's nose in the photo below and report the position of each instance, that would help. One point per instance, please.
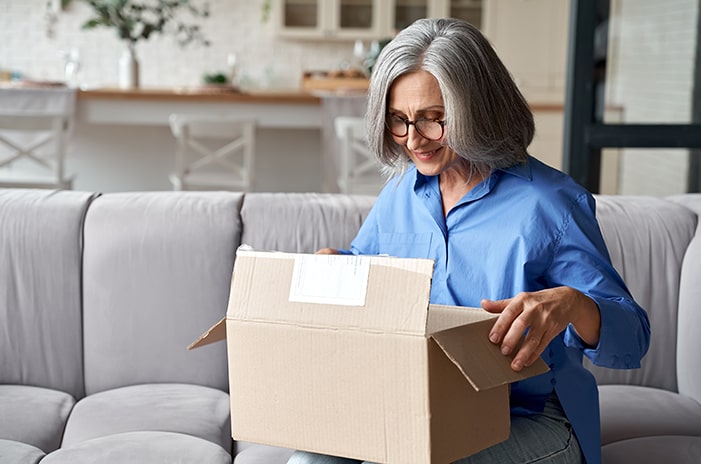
(414, 139)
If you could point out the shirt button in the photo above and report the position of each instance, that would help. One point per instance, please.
(553, 381)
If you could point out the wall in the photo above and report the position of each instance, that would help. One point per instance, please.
(235, 26)
(650, 77)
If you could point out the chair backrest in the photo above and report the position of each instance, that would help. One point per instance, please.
(359, 171)
(35, 127)
(213, 152)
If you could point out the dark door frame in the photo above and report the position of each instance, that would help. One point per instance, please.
(585, 135)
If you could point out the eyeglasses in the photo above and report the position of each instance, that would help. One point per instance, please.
(431, 129)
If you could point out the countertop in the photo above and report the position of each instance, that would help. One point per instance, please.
(204, 94)
(199, 94)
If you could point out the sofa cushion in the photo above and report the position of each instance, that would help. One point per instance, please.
(41, 340)
(302, 222)
(647, 239)
(157, 269)
(629, 411)
(13, 452)
(141, 447)
(689, 342)
(33, 415)
(190, 409)
(263, 454)
(654, 450)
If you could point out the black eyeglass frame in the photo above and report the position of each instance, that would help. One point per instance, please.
(408, 123)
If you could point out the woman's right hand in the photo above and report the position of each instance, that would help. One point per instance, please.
(327, 251)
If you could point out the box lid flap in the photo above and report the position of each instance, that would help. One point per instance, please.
(214, 334)
(368, 293)
(479, 360)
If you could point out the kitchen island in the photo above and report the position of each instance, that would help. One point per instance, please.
(122, 141)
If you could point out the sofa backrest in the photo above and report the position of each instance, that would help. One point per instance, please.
(689, 341)
(647, 239)
(302, 222)
(157, 270)
(41, 340)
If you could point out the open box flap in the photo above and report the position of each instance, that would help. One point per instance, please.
(365, 293)
(479, 360)
(215, 333)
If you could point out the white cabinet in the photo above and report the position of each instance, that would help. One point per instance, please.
(530, 37)
(364, 19)
(328, 19)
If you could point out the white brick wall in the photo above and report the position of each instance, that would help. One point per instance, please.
(652, 46)
(234, 26)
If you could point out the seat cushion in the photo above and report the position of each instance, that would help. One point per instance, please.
(281, 221)
(189, 409)
(629, 412)
(647, 239)
(40, 288)
(157, 273)
(14, 452)
(263, 454)
(141, 447)
(33, 415)
(674, 449)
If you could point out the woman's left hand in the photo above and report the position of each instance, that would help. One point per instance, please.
(545, 314)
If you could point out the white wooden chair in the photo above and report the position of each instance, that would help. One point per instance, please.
(358, 170)
(35, 128)
(213, 152)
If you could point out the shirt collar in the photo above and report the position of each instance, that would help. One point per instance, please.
(522, 170)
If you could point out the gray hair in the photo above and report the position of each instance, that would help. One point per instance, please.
(488, 121)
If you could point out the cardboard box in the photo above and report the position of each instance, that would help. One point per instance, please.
(344, 355)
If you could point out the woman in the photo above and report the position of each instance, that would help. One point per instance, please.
(507, 233)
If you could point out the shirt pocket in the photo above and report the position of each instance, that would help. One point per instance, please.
(406, 245)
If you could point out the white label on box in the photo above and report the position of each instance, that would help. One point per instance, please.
(330, 279)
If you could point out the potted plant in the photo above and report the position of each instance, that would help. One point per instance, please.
(135, 21)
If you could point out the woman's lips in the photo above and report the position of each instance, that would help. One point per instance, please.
(426, 155)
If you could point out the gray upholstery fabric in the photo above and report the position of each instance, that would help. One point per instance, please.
(157, 269)
(650, 264)
(190, 409)
(629, 411)
(302, 222)
(40, 265)
(12, 452)
(263, 454)
(689, 342)
(142, 448)
(34, 415)
(654, 450)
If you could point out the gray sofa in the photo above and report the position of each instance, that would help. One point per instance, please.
(100, 295)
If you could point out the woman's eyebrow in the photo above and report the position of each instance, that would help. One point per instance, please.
(421, 110)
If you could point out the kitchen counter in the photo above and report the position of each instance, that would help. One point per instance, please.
(198, 94)
(122, 140)
(153, 106)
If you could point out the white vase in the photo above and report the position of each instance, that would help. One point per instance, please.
(128, 69)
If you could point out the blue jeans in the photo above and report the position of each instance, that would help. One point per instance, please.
(545, 438)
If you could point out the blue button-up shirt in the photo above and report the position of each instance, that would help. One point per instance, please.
(525, 228)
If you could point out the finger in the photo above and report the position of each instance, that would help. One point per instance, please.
(528, 352)
(327, 251)
(494, 306)
(507, 313)
(514, 335)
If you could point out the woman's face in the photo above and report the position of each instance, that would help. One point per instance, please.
(413, 96)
